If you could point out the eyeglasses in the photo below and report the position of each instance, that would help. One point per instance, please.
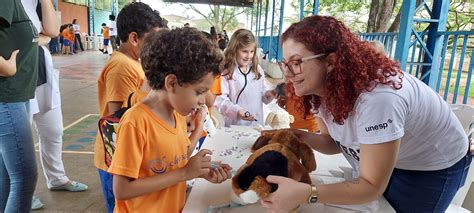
(294, 66)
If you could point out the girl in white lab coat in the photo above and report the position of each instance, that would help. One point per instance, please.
(242, 83)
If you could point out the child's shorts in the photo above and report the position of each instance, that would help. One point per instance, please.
(66, 43)
(106, 42)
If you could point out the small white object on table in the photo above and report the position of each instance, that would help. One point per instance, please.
(232, 146)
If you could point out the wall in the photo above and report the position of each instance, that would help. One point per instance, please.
(100, 16)
(73, 11)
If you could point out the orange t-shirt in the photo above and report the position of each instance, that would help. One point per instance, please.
(105, 32)
(121, 76)
(216, 86)
(148, 146)
(66, 35)
(137, 97)
(310, 123)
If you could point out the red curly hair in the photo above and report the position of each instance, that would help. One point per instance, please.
(358, 67)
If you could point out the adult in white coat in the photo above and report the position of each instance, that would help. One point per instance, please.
(242, 83)
(45, 108)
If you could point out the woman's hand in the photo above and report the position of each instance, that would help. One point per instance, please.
(289, 195)
(8, 67)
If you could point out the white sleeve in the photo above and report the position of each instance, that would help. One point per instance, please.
(223, 103)
(380, 117)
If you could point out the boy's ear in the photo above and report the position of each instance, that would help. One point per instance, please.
(133, 38)
(170, 82)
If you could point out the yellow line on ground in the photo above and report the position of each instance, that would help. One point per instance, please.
(77, 121)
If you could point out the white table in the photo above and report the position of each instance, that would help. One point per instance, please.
(205, 194)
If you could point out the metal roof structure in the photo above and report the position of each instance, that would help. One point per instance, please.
(238, 3)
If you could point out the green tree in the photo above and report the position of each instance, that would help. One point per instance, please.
(350, 12)
(221, 17)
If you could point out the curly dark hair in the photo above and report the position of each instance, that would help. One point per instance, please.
(137, 17)
(358, 67)
(184, 52)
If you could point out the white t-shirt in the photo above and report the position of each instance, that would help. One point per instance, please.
(432, 138)
(76, 28)
(113, 28)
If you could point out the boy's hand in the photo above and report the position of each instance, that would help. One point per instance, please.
(8, 67)
(198, 165)
(219, 174)
(199, 116)
(270, 95)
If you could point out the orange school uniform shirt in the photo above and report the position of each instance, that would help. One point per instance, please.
(216, 86)
(121, 76)
(66, 35)
(148, 146)
(105, 32)
(136, 98)
(310, 123)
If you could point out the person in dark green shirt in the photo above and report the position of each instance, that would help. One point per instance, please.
(18, 76)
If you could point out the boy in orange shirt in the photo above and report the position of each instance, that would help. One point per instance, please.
(121, 76)
(105, 32)
(293, 104)
(152, 158)
(68, 39)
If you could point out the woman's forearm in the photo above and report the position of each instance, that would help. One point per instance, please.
(50, 20)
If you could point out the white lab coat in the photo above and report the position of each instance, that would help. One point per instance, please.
(250, 99)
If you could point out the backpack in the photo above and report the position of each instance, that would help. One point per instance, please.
(108, 126)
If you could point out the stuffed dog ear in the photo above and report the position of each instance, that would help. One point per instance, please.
(307, 157)
(292, 119)
(260, 142)
(270, 118)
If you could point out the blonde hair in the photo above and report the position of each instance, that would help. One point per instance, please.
(240, 39)
(378, 46)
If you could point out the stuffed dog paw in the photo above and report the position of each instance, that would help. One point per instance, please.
(274, 153)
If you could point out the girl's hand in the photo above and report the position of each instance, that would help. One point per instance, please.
(289, 195)
(8, 67)
(245, 115)
(219, 174)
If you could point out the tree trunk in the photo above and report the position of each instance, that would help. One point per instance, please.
(374, 5)
(217, 21)
(383, 16)
(395, 27)
(396, 23)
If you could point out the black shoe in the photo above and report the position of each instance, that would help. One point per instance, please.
(105, 52)
(102, 50)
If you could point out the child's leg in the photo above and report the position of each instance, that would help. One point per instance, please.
(106, 179)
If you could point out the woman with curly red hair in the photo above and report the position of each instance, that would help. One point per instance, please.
(402, 140)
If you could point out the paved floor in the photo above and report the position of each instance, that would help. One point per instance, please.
(78, 83)
(78, 77)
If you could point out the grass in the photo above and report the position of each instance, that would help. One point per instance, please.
(452, 84)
